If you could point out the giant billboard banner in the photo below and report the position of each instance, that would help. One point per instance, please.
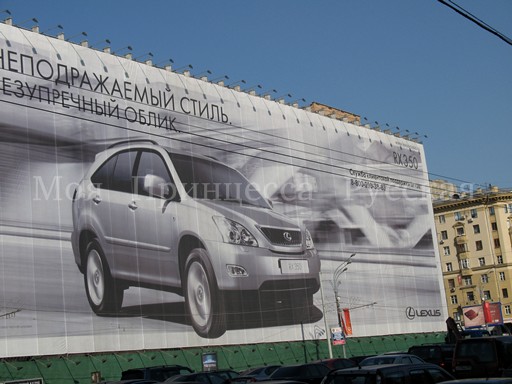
(143, 209)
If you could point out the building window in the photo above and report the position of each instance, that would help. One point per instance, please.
(449, 267)
(491, 211)
(444, 235)
(456, 316)
(502, 276)
(507, 309)
(479, 246)
(451, 283)
(481, 261)
(486, 295)
(459, 216)
(470, 296)
(504, 293)
(474, 213)
(496, 243)
(508, 208)
(462, 247)
(453, 299)
(494, 226)
(446, 251)
(460, 231)
(464, 263)
(499, 259)
(442, 219)
(476, 228)
(484, 278)
(466, 280)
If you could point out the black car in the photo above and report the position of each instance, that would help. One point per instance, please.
(439, 354)
(157, 373)
(391, 358)
(311, 373)
(483, 357)
(389, 374)
(260, 373)
(338, 363)
(212, 377)
(255, 374)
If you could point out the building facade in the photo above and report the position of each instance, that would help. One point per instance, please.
(474, 240)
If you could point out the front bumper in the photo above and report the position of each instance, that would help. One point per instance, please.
(265, 269)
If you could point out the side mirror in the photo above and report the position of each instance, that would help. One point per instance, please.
(156, 186)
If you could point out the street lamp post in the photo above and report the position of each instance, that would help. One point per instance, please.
(327, 332)
(342, 268)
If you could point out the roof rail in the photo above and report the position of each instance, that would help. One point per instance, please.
(132, 141)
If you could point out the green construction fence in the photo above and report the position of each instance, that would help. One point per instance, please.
(79, 368)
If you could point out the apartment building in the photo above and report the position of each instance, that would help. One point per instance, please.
(474, 239)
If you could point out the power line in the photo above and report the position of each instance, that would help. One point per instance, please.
(461, 11)
(313, 148)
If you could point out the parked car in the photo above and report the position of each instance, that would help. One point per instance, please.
(401, 358)
(311, 373)
(260, 373)
(200, 377)
(360, 358)
(228, 374)
(157, 373)
(483, 357)
(490, 380)
(146, 215)
(440, 354)
(337, 363)
(389, 374)
(134, 381)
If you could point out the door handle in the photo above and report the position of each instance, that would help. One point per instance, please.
(133, 206)
(96, 199)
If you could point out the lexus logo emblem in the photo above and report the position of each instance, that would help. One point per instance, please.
(287, 236)
(412, 313)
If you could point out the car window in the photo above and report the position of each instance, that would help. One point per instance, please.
(313, 371)
(324, 370)
(438, 376)
(151, 163)
(415, 360)
(205, 179)
(419, 376)
(482, 351)
(122, 179)
(355, 379)
(102, 178)
(395, 378)
(217, 379)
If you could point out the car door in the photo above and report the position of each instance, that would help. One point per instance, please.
(154, 212)
(109, 205)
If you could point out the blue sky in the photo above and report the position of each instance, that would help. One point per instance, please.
(412, 64)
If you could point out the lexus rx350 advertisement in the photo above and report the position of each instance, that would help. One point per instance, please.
(141, 208)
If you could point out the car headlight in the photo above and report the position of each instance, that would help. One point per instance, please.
(309, 241)
(234, 233)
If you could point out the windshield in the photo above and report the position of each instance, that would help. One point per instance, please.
(205, 179)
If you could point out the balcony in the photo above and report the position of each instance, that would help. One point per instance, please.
(463, 255)
(461, 239)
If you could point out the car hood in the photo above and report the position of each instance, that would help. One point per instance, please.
(245, 214)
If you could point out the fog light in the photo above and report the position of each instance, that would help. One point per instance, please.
(236, 271)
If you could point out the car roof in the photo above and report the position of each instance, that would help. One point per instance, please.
(382, 367)
(150, 144)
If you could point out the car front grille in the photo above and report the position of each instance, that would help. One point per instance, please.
(282, 237)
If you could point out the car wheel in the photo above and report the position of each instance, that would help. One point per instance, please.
(203, 301)
(104, 295)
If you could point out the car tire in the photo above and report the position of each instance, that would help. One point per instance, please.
(104, 295)
(203, 301)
